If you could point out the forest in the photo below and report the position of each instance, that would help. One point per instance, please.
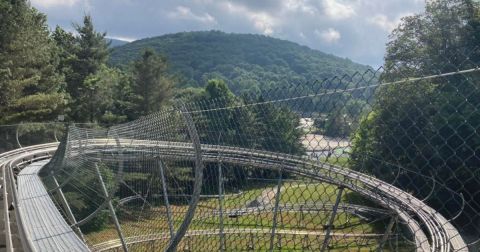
(246, 62)
(82, 76)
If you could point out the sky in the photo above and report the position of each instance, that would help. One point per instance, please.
(357, 29)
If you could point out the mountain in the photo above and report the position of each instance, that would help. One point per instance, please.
(247, 62)
(116, 42)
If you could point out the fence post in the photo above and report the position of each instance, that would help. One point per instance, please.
(302, 217)
(388, 231)
(251, 243)
(165, 198)
(275, 210)
(305, 243)
(65, 204)
(220, 202)
(111, 209)
(326, 240)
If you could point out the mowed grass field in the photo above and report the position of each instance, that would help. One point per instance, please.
(296, 230)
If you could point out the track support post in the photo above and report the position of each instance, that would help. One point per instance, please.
(276, 208)
(66, 206)
(388, 232)
(165, 198)
(220, 203)
(329, 226)
(111, 209)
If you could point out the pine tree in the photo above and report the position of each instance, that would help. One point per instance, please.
(66, 46)
(152, 85)
(89, 54)
(30, 84)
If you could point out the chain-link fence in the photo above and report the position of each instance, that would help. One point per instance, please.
(370, 162)
(376, 161)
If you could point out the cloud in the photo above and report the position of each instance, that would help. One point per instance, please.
(302, 6)
(54, 3)
(302, 35)
(261, 21)
(330, 35)
(182, 12)
(364, 24)
(384, 22)
(336, 10)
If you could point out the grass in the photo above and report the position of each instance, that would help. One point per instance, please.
(256, 242)
(339, 161)
(292, 192)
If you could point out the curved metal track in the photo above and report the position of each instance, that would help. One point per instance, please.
(432, 232)
(9, 163)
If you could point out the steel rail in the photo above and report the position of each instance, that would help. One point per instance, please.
(7, 188)
(443, 234)
(440, 238)
(444, 237)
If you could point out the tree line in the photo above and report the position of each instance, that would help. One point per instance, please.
(247, 62)
(46, 73)
(429, 129)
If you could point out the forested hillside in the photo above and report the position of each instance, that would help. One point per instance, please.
(245, 61)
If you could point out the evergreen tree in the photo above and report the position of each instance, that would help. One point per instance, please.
(101, 96)
(30, 84)
(90, 54)
(152, 85)
(66, 46)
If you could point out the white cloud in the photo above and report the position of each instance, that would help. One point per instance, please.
(336, 10)
(384, 22)
(299, 5)
(365, 24)
(330, 35)
(182, 12)
(261, 21)
(54, 3)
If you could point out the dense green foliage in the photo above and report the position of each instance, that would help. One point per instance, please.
(60, 73)
(152, 85)
(429, 127)
(83, 64)
(101, 94)
(246, 62)
(85, 202)
(30, 86)
(339, 115)
(271, 127)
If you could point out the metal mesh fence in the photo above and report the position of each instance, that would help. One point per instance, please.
(376, 161)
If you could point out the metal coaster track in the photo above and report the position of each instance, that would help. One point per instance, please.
(431, 231)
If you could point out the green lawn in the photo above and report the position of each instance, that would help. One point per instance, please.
(292, 192)
(340, 161)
